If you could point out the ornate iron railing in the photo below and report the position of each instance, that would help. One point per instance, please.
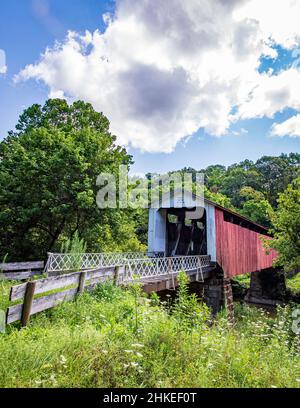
(136, 265)
(155, 267)
(67, 262)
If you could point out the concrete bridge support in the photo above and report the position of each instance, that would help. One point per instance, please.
(267, 287)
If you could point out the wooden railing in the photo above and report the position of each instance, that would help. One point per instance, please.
(21, 270)
(70, 285)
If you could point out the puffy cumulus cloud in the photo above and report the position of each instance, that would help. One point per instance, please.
(271, 94)
(161, 73)
(278, 20)
(3, 66)
(290, 127)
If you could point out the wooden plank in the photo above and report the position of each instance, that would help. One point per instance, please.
(95, 281)
(45, 285)
(21, 266)
(19, 275)
(105, 271)
(91, 286)
(14, 313)
(99, 278)
(28, 299)
(60, 281)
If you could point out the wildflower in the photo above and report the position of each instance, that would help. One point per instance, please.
(47, 366)
(63, 359)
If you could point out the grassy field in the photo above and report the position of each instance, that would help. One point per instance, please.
(120, 338)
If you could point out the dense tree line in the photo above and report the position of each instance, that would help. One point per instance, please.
(48, 171)
(251, 188)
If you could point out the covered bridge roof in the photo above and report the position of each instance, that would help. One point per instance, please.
(229, 215)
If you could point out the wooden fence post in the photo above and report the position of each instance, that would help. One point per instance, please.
(82, 279)
(116, 275)
(28, 299)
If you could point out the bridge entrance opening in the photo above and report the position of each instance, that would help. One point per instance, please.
(186, 234)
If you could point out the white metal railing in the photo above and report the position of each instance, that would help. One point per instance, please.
(138, 265)
(65, 262)
(154, 267)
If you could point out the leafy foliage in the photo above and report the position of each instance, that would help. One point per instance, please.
(286, 227)
(48, 171)
(76, 245)
(250, 188)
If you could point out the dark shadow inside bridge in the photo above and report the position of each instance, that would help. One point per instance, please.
(186, 235)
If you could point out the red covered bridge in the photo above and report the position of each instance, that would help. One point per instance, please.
(239, 244)
(233, 241)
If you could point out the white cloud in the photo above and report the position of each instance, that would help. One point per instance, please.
(290, 127)
(278, 20)
(161, 73)
(271, 94)
(3, 66)
(239, 132)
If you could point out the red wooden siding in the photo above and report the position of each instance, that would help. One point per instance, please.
(239, 250)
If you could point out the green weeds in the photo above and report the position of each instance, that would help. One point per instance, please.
(116, 337)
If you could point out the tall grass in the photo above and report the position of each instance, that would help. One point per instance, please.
(75, 247)
(120, 338)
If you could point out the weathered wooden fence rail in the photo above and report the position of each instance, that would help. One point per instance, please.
(35, 297)
(72, 284)
(21, 270)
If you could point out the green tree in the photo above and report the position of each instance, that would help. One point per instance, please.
(255, 206)
(275, 173)
(218, 198)
(213, 177)
(286, 227)
(48, 171)
(236, 178)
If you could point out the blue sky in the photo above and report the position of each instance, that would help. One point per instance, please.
(24, 35)
(28, 27)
